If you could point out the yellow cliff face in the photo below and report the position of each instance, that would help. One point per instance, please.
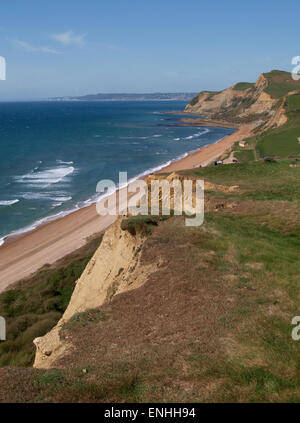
(210, 104)
(114, 268)
(251, 104)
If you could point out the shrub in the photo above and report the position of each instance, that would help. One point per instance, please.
(139, 224)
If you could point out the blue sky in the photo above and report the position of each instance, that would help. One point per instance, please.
(57, 48)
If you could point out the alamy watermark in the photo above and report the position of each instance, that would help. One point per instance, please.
(2, 69)
(296, 69)
(296, 329)
(160, 196)
(2, 329)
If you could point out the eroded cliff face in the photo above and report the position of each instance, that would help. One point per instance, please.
(114, 268)
(251, 104)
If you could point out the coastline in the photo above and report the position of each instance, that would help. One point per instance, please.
(22, 254)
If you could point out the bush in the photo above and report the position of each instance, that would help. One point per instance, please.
(269, 160)
(139, 224)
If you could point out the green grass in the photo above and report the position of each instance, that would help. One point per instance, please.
(281, 144)
(195, 99)
(280, 83)
(242, 86)
(293, 103)
(258, 180)
(53, 377)
(283, 141)
(261, 362)
(245, 156)
(35, 305)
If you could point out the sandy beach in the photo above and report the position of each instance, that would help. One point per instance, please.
(20, 256)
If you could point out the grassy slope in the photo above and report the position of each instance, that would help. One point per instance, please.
(35, 305)
(280, 83)
(212, 324)
(242, 86)
(283, 141)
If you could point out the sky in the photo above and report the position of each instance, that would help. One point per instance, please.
(70, 47)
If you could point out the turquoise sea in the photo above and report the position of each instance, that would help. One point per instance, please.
(54, 153)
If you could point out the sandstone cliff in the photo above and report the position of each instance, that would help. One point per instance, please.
(114, 268)
(240, 104)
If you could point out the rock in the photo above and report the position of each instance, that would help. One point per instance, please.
(114, 268)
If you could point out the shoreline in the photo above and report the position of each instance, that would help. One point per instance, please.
(24, 253)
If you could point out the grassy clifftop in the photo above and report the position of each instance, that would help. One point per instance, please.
(272, 105)
(280, 83)
(246, 101)
(211, 323)
(283, 141)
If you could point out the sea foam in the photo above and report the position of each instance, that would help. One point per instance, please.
(49, 176)
(9, 203)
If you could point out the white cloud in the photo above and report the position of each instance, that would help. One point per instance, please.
(68, 38)
(31, 48)
(49, 50)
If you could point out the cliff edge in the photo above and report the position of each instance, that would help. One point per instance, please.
(247, 102)
(113, 269)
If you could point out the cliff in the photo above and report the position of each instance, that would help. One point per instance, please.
(198, 329)
(114, 269)
(245, 102)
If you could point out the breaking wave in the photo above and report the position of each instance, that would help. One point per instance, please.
(8, 203)
(46, 177)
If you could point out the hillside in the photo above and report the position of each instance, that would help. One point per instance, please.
(210, 321)
(245, 102)
(272, 105)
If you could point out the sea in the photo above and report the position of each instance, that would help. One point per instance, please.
(53, 154)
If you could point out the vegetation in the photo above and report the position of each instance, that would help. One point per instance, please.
(194, 100)
(242, 86)
(257, 180)
(280, 83)
(36, 304)
(245, 156)
(283, 141)
(212, 323)
(141, 224)
(138, 224)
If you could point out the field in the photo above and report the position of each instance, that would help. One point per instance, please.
(280, 83)
(283, 141)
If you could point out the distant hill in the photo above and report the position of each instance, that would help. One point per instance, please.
(129, 97)
(246, 101)
(272, 104)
